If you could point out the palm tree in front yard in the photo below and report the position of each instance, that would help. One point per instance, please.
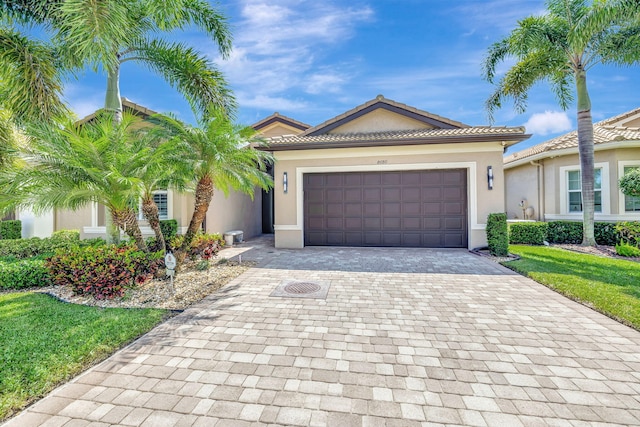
(560, 47)
(218, 155)
(70, 166)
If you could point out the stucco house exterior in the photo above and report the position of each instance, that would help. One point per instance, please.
(236, 212)
(387, 174)
(547, 176)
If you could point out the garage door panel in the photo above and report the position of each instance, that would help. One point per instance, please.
(409, 208)
(391, 194)
(391, 223)
(371, 194)
(411, 223)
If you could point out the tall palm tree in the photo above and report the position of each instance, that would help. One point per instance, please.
(70, 166)
(218, 155)
(560, 47)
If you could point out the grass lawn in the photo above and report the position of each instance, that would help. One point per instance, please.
(44, 342)
(611, 286)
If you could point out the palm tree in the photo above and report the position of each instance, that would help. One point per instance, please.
(218, 155)
(70, 166)
(560, 47)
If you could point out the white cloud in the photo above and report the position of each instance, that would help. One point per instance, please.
(549, 122)
(280, 45)
(270, 102)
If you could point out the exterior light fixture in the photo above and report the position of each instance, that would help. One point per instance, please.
(490, 177)
(285, 182)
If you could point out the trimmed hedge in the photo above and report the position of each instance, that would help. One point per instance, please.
(528, 233)
(25, 273)
(35, 246)
(11, 229)
(169, 228)
(497, 234)
(571, 232)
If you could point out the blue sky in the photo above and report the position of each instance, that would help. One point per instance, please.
(313, 60)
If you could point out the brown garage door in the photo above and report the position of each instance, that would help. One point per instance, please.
(406, 208)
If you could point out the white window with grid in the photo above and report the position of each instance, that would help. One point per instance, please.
(571, 189)
(628, 204)
(162, 200)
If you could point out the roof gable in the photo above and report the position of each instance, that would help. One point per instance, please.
(382, 114)
(128, 106)
(278, 125)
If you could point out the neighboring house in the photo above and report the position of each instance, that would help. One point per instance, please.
(387, 174)
(547, 176)
(236, 212)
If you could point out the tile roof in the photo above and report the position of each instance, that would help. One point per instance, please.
(603, 132)
(392, 103)
(280, 118)
(400, 137)
(127, 105)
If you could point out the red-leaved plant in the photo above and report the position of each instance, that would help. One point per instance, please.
(103, 272)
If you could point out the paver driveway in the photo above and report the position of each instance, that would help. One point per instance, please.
(404, 337)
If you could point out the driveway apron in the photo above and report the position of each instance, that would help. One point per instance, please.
(364, 337)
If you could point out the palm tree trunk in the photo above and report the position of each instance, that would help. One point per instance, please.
(203, 195)
(585, 147)
(126, 219)
(113, 103)
(150, 212)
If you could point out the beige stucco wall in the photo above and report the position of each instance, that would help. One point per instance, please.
(236, 212)
(521, 181)
(380, 120)
(278, 129)
(473, 157)
(72, 220)
(521, 184)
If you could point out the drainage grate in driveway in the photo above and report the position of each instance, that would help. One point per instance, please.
(290, 288)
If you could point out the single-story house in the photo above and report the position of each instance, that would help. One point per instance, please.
(236, 212)
(387, 174)
(546, 177)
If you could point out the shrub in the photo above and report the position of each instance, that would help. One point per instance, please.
(630, 183)
(497, 234)
(629, 232)
(204, 246)
(625, 249)
(11, 229)
(22, 274)
(35, 246)
(605, 233)
(72, 235)
(564, 232)
(103, 272)
(169, 228)
(529, 233)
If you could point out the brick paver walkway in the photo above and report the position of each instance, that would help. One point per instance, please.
(405, 337)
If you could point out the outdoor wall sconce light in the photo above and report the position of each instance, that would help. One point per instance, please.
(490, 177)
(285, 182)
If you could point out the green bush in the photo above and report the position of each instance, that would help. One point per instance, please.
(169, 228)
(630, 183)
(629, 232)
(35, 246)
(103, 272)
(24, 273)
(73, 235)
(497, 234)
(11, 229)
(625, 249)
(605, 233)
(528, 233)
(564, 232)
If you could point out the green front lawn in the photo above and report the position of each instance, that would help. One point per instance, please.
(44, 342)
(611, 286)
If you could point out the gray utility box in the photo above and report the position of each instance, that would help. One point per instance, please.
(233, 236)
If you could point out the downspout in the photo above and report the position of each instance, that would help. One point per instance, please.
(540, 178)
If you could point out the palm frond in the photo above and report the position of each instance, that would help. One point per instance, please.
(196, 77)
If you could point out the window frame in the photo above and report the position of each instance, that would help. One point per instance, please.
(604, 189)
(622, 164)
(169, 214)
